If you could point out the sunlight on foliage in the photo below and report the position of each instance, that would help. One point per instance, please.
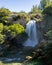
(1, 27)
(49, 34)
(4, 14)
(2, 38)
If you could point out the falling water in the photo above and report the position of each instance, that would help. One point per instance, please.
(32, 34)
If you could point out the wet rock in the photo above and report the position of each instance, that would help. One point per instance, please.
(19, 53)
(12, 59)
(28, 57)
(1, 48)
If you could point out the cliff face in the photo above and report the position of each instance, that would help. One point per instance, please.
(19, 18)
(44, 26)
(40, 30)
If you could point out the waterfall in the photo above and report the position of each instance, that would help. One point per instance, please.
(32, 34)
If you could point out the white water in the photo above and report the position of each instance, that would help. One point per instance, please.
(32, 34)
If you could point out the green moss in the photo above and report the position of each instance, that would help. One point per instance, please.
(37, 62)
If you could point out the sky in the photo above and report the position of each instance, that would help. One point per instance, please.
(19, 5)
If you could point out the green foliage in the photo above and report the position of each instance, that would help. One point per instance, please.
(48, 10)
(49, 34)
(36, 13)
(35, 10)
(4, 14)
(48, 50)
(21, 16)
(48, 53)
(37, 62)
(21, 38)
(15, 34)
(36, 17)
(2, 38)
(14, 29)
(45, 3)
(1, 27)
(47, 19)
(12, 36)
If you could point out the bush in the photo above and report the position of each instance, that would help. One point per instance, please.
(1, 27)
(48, 10)
(14, 29)
(48, 54)
(4, 14)
(2, 38)
(49, 34)
(15, 34)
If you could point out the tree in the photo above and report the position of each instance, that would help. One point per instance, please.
(36, 13)
(4, 14)
(35, 10)
(48, 10)
(45, 3)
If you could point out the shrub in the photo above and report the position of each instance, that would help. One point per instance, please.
(49, 34)
(2, 38)
(15, 34)
(1, 27)
(48, 10)
(4, 14)
(48, 54)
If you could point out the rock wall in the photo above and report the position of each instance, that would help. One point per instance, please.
(40, 30)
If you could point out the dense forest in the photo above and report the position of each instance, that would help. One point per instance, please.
(13, 34)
